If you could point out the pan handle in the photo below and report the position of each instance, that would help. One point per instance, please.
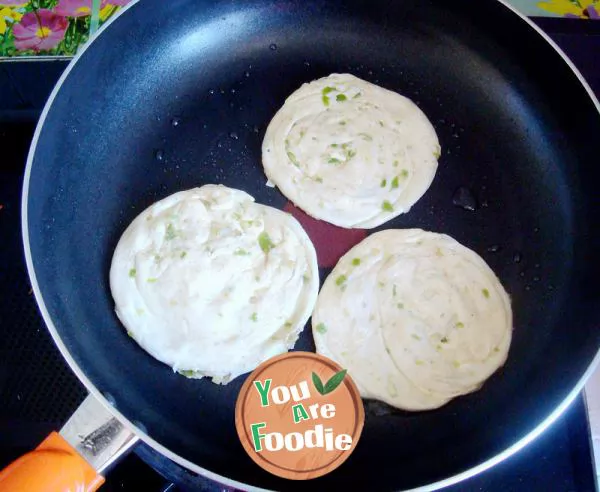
(53, 466)
(90, 442)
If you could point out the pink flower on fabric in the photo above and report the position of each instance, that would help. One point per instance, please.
(75, 8)
(13, 3)
(39, 31)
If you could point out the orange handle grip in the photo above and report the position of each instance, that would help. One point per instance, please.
(54, 466)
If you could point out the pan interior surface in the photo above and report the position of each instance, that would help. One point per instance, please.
(178, 94)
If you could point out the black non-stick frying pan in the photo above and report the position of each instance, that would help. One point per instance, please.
(177, 94)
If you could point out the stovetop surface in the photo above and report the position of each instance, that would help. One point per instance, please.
(38, 392)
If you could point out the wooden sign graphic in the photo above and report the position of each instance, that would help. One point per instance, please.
(299, 415)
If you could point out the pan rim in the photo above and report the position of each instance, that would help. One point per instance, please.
(454, 479)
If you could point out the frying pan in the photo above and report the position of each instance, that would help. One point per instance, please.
(177, 94)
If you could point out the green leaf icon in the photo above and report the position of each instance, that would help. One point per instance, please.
(330, 385)
(335, 381)
(318, 383)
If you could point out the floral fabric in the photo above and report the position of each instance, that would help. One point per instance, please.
(51, 27)
(60, 27)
